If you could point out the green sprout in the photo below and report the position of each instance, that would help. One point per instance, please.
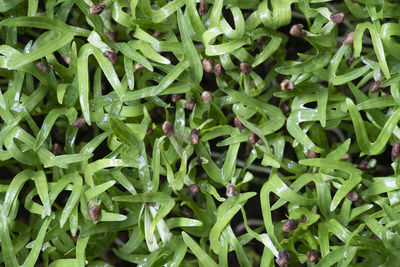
(199, 133)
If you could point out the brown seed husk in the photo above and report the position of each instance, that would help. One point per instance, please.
(79, 123)
(290, 225)
(40, 66)
(112, 36)
(57, 149)
(190, 102)
(238, 124)
(395, 151)
(283, 258)
(175, 97)
(363, 165)
(138, 66)
(208, 65)
(219, 70)
(168, 128)
(312, 155)
(97, 8)
(194, 136)
(297, 30)
(231, 190)
(346, 156)
(312, 255)
(375, 86)
(252, 138)
(94, 212)
(156, 33)
(203, 8)
(287, 85)
(111, 56)
(337, 17)
(348, 40)
(194, 189)
(66, 59)
(206, 96)
(352, 196)
(245, 68)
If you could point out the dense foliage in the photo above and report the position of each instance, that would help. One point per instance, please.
(186, 132)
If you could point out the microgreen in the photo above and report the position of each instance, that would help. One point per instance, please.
(199, 132)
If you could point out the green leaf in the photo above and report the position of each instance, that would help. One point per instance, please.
(98, 189)
(225, 213)
(190, 50)
(200, 254)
